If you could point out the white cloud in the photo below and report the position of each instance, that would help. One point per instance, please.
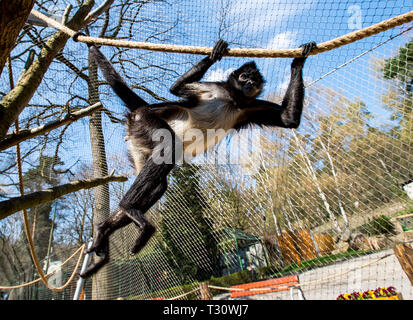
(264, 15)
(284, 40)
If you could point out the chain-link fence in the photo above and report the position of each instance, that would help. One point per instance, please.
(326, 202)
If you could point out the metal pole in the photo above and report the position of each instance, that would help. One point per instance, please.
(49, 246)
(79, 284)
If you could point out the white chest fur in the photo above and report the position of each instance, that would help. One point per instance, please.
(209, 122)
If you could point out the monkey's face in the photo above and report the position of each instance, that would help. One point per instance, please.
(248, 80)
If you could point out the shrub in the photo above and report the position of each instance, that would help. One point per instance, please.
(378, 225)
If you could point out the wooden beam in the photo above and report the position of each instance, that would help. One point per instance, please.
(206, 293)
(404, 254)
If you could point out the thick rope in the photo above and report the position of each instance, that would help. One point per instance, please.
(47, 275)
(237, 52)
(359, 56)
(29, 235)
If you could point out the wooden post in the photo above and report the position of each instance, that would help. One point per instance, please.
(206, 294)
(404, 254)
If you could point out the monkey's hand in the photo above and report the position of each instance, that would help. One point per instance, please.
(220, 48)
(307, 48)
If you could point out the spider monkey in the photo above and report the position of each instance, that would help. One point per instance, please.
(232, 104)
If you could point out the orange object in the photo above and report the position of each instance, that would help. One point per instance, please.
(267, 286)
(82, 295)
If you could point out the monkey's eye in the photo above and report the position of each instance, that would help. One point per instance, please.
(243, 76)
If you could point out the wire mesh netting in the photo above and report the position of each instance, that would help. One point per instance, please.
(326, 202)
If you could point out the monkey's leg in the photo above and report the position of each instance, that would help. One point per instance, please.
(118, 220)
(142, 196)
(147, 188)
(137, 216)
(151, 183)
(123, 217)
(98, 262)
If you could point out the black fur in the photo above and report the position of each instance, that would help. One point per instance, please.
(130, 98)
(206, 105)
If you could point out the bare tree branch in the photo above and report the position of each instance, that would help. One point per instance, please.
(13, 139)
(153, 94)
(98, 11)
(17, 99)
(16, 204)
(41, 44)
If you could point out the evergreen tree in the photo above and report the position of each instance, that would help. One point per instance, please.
(35, 179)
(186, 231)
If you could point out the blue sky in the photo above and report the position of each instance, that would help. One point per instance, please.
(243, 23)
(277, 24)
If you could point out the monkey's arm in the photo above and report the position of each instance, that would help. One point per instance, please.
(262, 113)
(288, 115)
(130, 98)
(181, 89)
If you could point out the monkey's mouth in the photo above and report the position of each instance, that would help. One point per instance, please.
(250, 91)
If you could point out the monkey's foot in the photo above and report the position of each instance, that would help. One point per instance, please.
(98, 245)
(220, 48)
(101, 248)
(95, 266)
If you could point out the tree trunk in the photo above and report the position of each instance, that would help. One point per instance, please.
(13, 15)
(311, 172)
(16, 100)
(346, 233)
(101, 212)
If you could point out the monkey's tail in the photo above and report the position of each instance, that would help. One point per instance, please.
(130, 98)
